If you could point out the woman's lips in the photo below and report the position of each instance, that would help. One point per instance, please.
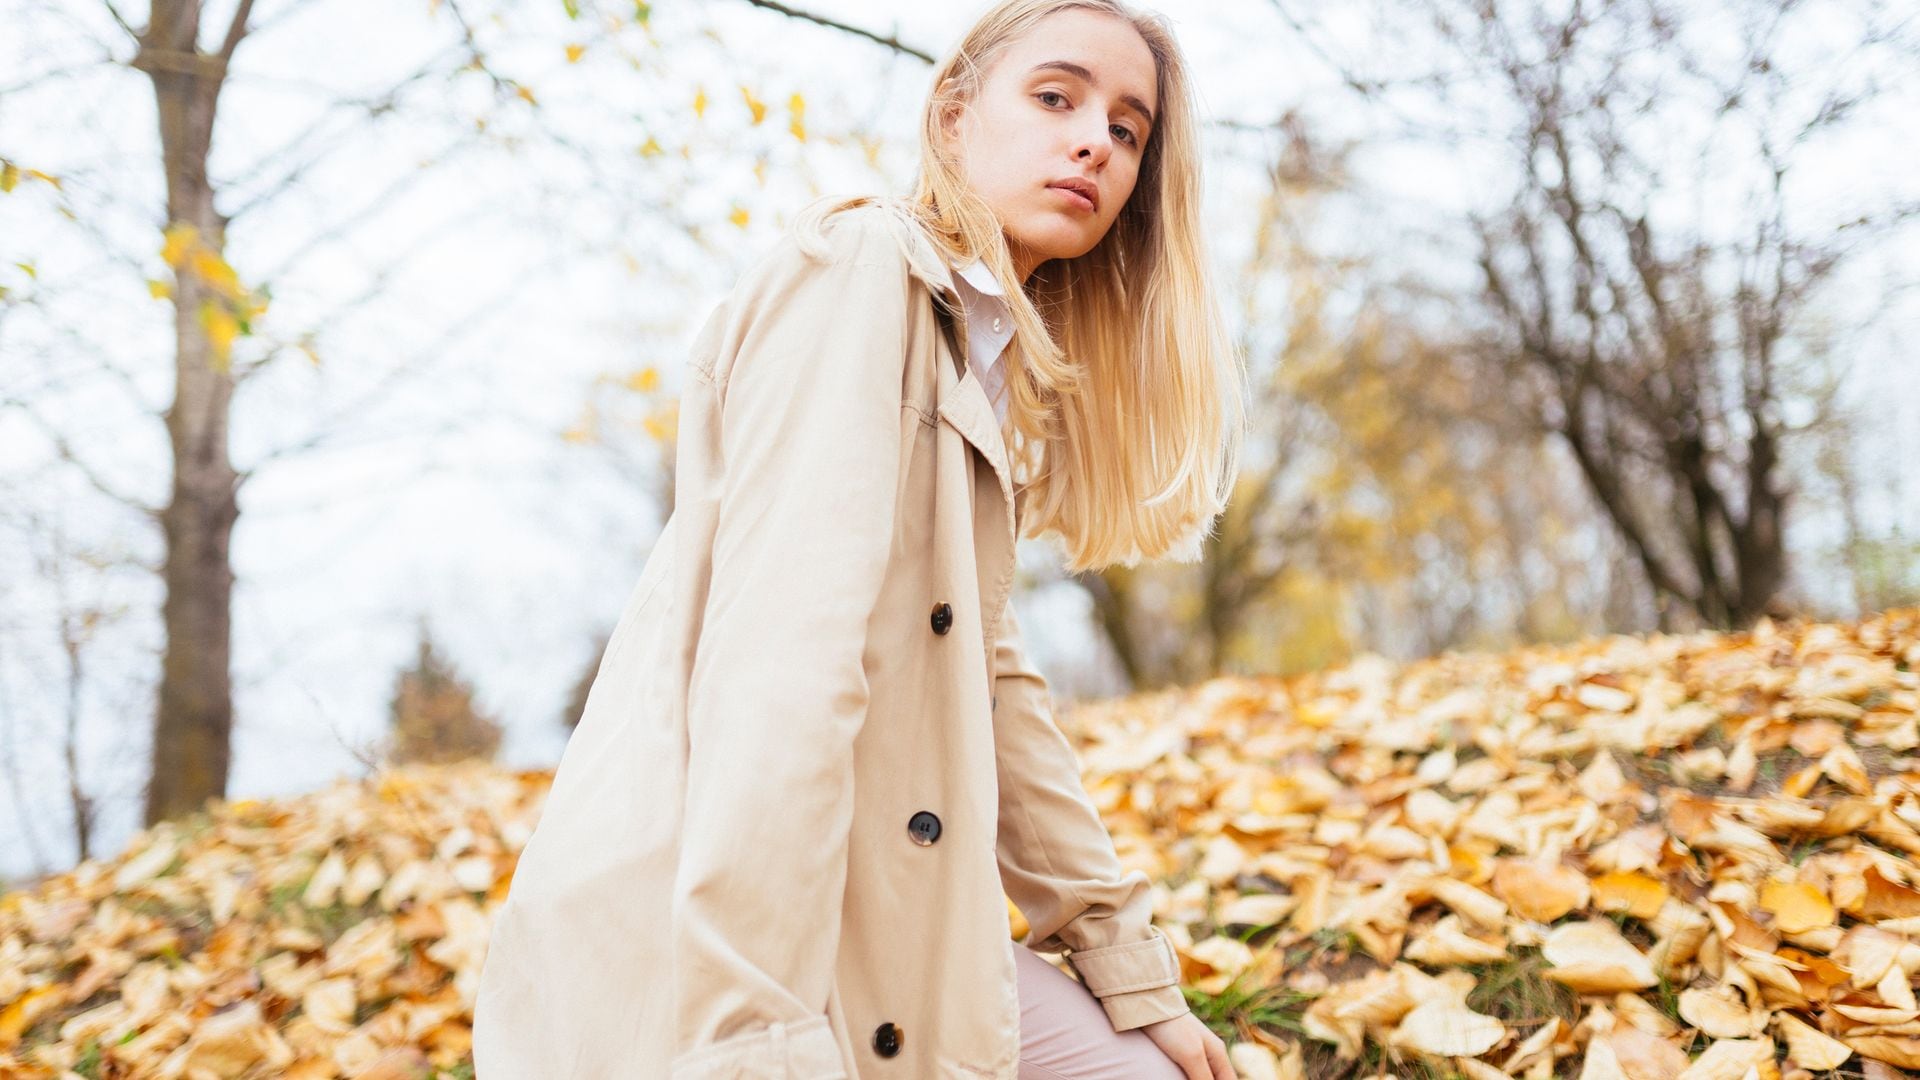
(1074, 197)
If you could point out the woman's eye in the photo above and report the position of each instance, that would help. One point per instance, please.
(1126, 134)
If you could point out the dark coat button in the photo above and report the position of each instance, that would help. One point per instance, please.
(886, 1039)
(924, 828)
(942, 617)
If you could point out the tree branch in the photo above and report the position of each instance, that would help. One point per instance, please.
(117, 17)
(236, 30)
(893, 43)
(70, 456)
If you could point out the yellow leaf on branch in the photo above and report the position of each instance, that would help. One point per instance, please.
(754, 105)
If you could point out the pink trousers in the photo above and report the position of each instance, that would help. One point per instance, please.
(1065, 1034)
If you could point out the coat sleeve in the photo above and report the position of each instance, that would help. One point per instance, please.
(810, 434)
(1057, 860)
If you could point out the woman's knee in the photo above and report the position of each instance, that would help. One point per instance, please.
(1065, 1034)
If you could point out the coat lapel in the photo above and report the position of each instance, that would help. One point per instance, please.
(963, 404)
(963, 401)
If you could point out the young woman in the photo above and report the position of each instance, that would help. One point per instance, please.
(816, 762)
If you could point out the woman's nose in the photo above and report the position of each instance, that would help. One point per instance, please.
(1095, 145)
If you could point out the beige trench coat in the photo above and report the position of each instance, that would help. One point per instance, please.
(814, 754)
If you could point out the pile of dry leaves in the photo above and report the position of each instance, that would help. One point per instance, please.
(1671, 858)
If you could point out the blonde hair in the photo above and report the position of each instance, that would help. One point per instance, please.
(1125, 388)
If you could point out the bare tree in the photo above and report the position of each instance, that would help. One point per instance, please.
(1663, 356)
(193, 718)
(77, 581)
(1666, 349)
(187, 51)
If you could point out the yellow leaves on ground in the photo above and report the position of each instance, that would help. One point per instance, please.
(1796, 906)
(1540, 891)
(1593, 957)
(1631, 893)
(1722, 1012)
(1708, 840)
(17, 1017)
(1605, 860)
(1407, 1009)
(1810, 1047)
(325, 937)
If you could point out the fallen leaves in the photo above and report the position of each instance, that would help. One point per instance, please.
(1592, 957)
(1707, 840)
(1796, 906)
(1671, 858)
(1540, 891)
(335, 935)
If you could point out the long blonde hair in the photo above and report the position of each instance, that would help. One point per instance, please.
(1125, 405)
(1125, 418)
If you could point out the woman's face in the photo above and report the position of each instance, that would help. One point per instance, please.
(1039, 124)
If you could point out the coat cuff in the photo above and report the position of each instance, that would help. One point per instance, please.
(1142, 1007)
(779, 1051)
(1137, 983)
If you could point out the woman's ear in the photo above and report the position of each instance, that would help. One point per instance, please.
(951, 111)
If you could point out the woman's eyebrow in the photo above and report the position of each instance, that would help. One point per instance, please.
(1080, 72)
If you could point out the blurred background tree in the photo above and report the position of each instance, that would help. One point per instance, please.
(1654, 294)
(433, 714)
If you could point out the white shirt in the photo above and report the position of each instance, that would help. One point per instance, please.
(989, 328)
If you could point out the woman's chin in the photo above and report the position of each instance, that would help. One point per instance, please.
(1056, 240)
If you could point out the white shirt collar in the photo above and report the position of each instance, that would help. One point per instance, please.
(981, 278)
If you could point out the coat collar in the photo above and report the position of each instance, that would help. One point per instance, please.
(962, 403)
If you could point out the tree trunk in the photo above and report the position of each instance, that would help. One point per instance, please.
(193, 721)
